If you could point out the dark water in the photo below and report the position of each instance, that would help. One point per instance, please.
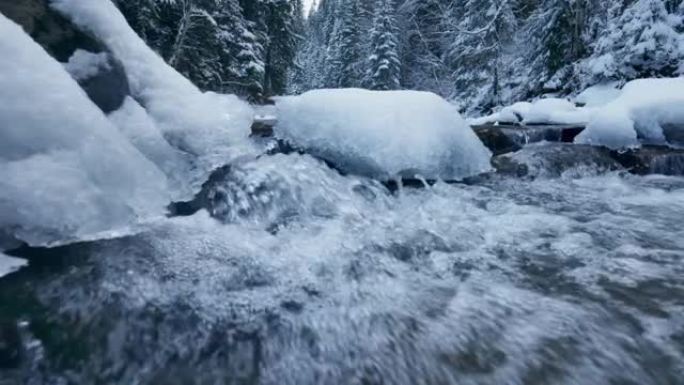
(314, 278)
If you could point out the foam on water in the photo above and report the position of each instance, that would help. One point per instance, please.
(522, 282)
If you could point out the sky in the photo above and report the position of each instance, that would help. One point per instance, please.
(307, 5)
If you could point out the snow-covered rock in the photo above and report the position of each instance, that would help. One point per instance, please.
(383, 134)
(598, 95)
(513, 114)
(66, 172)
(556, 111)
(212, 128)
(645, 112)
(542, 111)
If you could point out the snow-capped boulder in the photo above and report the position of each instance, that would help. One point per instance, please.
(383, 135)
(647, 111)
(66, 172)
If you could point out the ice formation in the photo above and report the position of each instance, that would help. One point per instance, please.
(65, 170)
(210, 127)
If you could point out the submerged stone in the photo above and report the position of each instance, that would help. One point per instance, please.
(555, 160)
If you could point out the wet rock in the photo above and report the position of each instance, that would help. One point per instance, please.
(262, 127)
(674, 134)
(506, 138)
(652, 160)
(555, 160)
(109, 87)
(205, 198)
(60, 38)
(496, 139)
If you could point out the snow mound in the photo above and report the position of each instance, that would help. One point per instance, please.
(598, 95)
(513, 114)
(65, 171)
(211, 127)
(84, 65)
(9, 264)
(542, 111)
(383, 134)
(556, 111)
(648, 110)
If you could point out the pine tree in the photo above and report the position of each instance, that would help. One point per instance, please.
(641, 42)
(242, 54)
(422, 24)
(283, 33)
(345, 60)
(384, 64)
(483, 32)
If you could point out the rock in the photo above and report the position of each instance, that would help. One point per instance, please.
(674, 134)
(57, 35)
(109, 88)
(496, 139)
(60, 38)
(652, 160)
(263, 128)
(502, 139)
(555, 160)
(206, 198)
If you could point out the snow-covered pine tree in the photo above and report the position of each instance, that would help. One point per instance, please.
(297, 72)
(641, 42)
(242, 56)
(557, 35)
(423, 23)
(346, 61)
(282, 44)
(336, 22)
(195, 47)
(478, 52)
(384, 66)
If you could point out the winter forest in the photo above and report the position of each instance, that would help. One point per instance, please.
(479, 53)
(342, 192)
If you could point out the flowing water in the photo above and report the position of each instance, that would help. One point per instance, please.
(310, 277)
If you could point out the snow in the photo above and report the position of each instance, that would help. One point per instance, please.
(644, 109)
(212, 128)
(598, 95)
(383, 134)
(542, 111)
(555, 111)
(65, 171)
(512, 114)
(143, 132)
(9, 264)
(83, 65)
